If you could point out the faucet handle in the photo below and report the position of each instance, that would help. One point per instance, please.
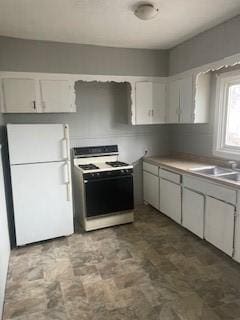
(233, 164)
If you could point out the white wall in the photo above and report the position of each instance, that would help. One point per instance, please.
(49, 56)
(209, 46)
(4, 240)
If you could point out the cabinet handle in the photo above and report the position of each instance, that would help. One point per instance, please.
(152, 112)
(65, 142)
(34, 105)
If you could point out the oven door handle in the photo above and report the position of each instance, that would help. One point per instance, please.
(108, 178)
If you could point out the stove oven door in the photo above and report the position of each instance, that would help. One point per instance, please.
(108, 195)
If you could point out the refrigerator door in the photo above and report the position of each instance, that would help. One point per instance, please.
(42, 200)
(32, 143)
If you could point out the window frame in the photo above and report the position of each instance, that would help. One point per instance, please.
(220, 149)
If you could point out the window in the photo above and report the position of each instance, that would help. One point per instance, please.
(227, 118)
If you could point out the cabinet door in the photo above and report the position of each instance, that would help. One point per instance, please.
(151, 189)
(237, 231)
(159, 102)
(19, 95)
(170, 199)
(42, 201)
(186, 100)
(193, 212)
(219, 224)
(173, 101)
(144, 102)
(150, 102)
(57, 96)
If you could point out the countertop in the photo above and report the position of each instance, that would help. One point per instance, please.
(185, 165)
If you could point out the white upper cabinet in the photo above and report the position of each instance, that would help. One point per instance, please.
(150, 102)
(144, 101)
(19, 95)
(173, 102)
(26, 95)
(159, 91)
(201, 94)
(188, 99)
(180, 101)
(57, 96)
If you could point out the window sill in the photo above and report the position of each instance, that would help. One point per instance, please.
(226, 154)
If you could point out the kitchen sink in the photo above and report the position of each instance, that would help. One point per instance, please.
(214, 171)
(232, 177)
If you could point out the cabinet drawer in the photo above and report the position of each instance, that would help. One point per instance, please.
(150, 168)
(169, 175)
(205, 187)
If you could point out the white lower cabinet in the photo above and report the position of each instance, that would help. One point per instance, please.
(236, 255)
(151, 189)
(209, 210)
(219, 224)
(193, 211)
(170, 199)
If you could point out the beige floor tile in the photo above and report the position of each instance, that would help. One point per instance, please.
(150, 270)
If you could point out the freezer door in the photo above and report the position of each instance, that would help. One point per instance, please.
(42, 200)
(31, 143)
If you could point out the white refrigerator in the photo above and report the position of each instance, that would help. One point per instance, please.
(41, 181)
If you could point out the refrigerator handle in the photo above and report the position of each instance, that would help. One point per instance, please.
(64, 148)
(67, 179)
(65, 143)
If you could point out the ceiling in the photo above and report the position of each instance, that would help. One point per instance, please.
(112, 22)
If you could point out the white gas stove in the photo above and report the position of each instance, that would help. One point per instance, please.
(104, 186)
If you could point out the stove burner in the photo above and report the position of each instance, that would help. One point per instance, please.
(89, 166)
(117, 164)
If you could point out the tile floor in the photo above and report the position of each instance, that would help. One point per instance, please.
(152, 269)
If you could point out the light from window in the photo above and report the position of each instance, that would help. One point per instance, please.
(226, 142)
(232, 137)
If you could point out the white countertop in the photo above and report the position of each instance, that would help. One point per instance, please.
(182, 166)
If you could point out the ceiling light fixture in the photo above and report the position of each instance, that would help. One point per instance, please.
(146, 11)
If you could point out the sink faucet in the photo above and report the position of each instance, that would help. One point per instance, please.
(233, 164)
